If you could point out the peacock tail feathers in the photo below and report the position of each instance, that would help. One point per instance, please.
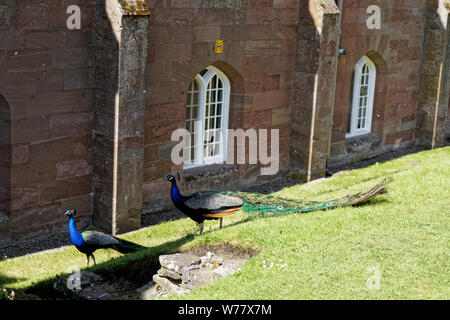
(265, 204)
(124, 246)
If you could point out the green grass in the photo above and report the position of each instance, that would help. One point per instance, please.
(403, 234)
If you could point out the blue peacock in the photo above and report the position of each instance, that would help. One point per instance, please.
(205, 205)
(201, 206)
(89, 241)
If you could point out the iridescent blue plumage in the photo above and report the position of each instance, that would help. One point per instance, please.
(89, 241)
(75, 236)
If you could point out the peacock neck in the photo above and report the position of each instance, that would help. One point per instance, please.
(177, 197)
(75, 236)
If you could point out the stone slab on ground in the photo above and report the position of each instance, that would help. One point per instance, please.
(228, 268)
(163, 272)
(176, 262)
(195, 272)
(169, 286)
(178, 275)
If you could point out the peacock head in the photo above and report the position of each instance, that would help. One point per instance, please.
(71, 213)
(171, 178)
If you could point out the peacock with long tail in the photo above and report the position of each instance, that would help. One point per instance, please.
(204, 205)
(89, 241)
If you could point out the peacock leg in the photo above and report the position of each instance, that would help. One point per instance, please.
(200, 225)
(221, 223)
(87, 264)
(93, 258)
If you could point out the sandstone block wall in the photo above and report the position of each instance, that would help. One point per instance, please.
(259, 59)
(46, 79)
(68, 134)
(396, 49)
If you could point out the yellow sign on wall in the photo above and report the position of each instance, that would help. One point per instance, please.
(219, 46)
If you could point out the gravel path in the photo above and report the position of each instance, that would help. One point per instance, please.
(59, 240)
(37, 245)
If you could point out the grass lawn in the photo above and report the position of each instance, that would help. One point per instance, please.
(394, 247)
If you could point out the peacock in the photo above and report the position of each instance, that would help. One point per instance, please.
(201, 206)
(204, 205)
(89, 241)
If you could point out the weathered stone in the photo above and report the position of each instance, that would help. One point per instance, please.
(4, 17)
(166, 273)
(201, 277)
(169, 286)
(176, 262)
(195, 271)
(97, 292)
(20, 153)
(314, 87)
(228, 267)
(134, 7)
(150, 291)
(73, 168)
(121, 69)
(433, 102)
(211, 260)
(186, 272)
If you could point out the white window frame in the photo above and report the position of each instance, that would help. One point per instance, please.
(202, 83)
(354, 130)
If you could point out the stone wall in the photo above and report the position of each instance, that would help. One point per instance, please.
(396, 50)
(435, 76)
(314, 84)
(447, 124)
(91, 116)
(5, 155)
(121, 43)
(259, 57)
(5, 169)
(46, 80)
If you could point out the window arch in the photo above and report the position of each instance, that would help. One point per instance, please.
(362, 98)
(207, 111)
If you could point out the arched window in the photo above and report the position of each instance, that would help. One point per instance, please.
(207, 118)
(363, 91)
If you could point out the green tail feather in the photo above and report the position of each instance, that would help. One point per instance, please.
(261, 203)
(125, 246)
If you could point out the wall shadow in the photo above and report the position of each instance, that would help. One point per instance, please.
(433, 98)
(5, 156)
(137, 268)
(5, 170)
